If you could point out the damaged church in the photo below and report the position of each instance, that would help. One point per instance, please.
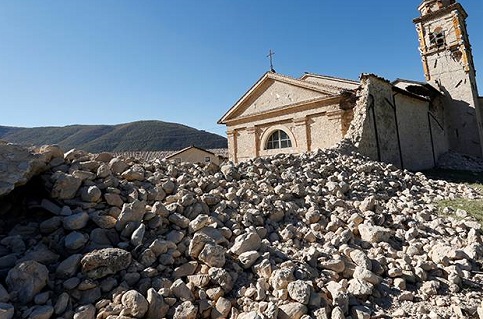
(404, 122)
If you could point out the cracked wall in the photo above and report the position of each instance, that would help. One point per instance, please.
(396, 128)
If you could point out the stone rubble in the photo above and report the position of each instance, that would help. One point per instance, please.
(319, 235)
(18, 165)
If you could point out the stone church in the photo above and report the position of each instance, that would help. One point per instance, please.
(404, 122)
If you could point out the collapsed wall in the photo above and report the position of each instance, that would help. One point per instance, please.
(396, 126)
(317, 235)
(359, 124)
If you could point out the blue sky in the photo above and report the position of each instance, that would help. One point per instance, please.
(189, 61)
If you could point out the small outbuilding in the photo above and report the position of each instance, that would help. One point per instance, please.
(193, 154)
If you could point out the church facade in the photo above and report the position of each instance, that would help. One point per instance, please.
(282, 114)
(407, 123)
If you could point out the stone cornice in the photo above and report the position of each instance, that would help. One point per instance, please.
(285, 110)
(441, 12)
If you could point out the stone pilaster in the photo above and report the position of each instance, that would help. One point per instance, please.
(301, 134)
(252, 132)
(232, 145)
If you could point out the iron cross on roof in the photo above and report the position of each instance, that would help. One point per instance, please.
(270, 55)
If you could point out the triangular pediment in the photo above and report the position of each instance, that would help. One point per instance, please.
(272, 92)
(330, 83)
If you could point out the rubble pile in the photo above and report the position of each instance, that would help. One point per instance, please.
(17, 166)
(319, 235)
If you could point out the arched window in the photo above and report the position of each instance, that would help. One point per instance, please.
(278, 139)
(437, 38)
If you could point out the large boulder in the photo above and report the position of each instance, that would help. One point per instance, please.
(103, 262)
(293, 310)
(249, 241)
(65, 186)
(157, 307)
(373, 233)
(131, 212)
(186, 310)
(27, 279)
(17, 166)
(135, 304)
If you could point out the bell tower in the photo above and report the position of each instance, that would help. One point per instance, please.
(448, 65)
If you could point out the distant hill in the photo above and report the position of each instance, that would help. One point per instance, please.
(135, 136)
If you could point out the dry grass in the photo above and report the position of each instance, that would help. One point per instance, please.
(473, 207)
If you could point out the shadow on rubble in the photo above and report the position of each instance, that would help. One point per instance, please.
(455, 176)
(22, 206)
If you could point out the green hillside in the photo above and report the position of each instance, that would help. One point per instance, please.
(135, 136)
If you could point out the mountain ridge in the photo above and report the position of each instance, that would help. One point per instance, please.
(150, 135)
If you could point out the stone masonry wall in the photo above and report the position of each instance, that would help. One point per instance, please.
(450, 68)
(375, 138)
(312, 128)
(406, 142)
(414, 135)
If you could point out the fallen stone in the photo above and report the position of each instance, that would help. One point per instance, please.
(113, 199)
(4, 296)
(103, 262)
(181, 291)
(135, 304)
(61, 303)
(213, 255)
(17, 167)
(42, 312)
(117, 165)
(135, 173)
(66, 186)
(85, 312)
(68, 267)
(50, 206)
(157, 308)
(26, 280)
(250, 315)
(360, 312)
(366, 275)
(293, 310)
(186, 310)
(374, 234)
(332, 232)
(75, 240)
(131, 212)
(360, 288)
(7, 311)
(249, 241)
(222, 308)
(91, 194)
(76, 221)
(299, 291)
(247, 259)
